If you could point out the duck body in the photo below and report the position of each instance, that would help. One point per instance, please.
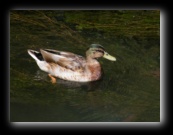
(70, 66)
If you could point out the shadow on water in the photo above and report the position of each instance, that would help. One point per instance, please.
(130, 88)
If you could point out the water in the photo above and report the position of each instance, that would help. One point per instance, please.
(129, 90)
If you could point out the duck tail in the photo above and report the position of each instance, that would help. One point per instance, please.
(37, 56)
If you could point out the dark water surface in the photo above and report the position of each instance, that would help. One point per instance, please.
(130, 88)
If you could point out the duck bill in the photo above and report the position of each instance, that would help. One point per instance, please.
(109, 57)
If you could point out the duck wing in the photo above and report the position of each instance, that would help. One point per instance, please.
(67, 60)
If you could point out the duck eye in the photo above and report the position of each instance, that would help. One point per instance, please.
(101, 51)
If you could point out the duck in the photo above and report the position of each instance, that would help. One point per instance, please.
(69, 66)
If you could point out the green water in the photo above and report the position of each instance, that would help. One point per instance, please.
(130, 88)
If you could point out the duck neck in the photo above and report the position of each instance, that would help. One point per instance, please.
(91, 60)
(93, 68)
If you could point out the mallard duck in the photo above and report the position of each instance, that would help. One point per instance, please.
(70, 66)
